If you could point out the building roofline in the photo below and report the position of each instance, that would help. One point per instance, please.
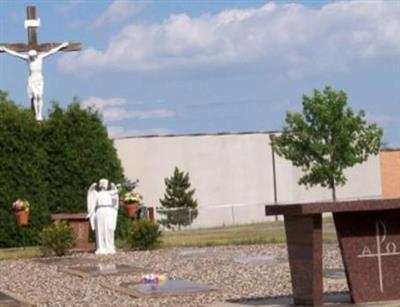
(390, 149)
(194, 134)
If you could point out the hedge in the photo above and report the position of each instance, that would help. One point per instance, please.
(51, 164)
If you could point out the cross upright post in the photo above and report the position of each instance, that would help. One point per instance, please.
(32, 33)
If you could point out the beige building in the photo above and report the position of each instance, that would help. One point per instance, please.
(390, 172)
(233, 174)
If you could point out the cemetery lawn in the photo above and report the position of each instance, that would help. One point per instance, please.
(21, 252)
(260, 233)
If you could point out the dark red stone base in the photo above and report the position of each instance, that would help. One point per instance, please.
(370, 246)
(304, 241)
(369, 239)
(80, 223)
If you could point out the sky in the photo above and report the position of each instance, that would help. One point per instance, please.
(210, 66)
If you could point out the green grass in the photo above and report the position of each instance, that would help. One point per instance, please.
(261, 233)
(20, 253)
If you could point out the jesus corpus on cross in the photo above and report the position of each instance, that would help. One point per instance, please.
(35, 79)
(35, 53)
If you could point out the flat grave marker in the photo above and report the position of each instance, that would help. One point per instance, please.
(7, 300)
(259, 260)
(66, 261)
(338, 299)
(334, 274)
(102, 269)
(171, 287)
(191, 252)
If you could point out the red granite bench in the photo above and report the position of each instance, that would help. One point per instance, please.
(369, 238)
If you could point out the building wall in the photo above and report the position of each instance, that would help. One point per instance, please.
(232, 174)
(390, 169)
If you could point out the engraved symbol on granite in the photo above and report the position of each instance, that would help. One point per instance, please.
(390, 249)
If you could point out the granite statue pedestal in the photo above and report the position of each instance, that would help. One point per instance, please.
(369, 239)
(80, 223)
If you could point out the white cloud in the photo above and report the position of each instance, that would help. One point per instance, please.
(118, 11)
(115, 114)
(292, 35)
(68, 5)
(109, 108)
(117, 132)
(101, 103)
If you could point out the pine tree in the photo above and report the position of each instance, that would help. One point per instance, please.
(179, 197)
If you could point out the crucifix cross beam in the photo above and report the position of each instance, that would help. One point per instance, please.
(31, 24)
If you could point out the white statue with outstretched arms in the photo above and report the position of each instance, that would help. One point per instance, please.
(102, 208)
(35, 79)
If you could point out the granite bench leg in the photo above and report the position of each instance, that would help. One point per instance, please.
(304, 241)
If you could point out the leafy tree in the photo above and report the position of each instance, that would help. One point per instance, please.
(326, 138)
(179, 197)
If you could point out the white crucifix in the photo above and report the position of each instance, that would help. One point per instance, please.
(34, 53)
(390, 249)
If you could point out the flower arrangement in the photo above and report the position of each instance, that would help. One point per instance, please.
(154, 279)
(21, 205)
(132, 197)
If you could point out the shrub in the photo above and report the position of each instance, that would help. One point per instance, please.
(144, 235)
(58, 238)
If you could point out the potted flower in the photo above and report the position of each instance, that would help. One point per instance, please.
(132, 202)
(21, 209)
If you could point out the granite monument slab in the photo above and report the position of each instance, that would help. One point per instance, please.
(80, 223)
(171, 287)
(66, 261)
(102, 269)
(8, 300)
(369, 235)
(370, 244)
(259, 260)
(331, 299)
(193, 252)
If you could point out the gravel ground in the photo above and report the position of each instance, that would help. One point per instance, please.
(46, 285)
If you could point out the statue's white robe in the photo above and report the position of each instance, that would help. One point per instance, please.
(103, 211)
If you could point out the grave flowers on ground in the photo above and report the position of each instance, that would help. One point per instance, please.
(21, 209)
(154, 280)
(132, 201)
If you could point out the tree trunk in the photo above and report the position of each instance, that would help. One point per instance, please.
(333, 193)
(333, 188)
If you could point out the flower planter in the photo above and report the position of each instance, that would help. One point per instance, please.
(22, 217)
(132, 209)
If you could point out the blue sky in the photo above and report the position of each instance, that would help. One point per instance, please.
(160, 67)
